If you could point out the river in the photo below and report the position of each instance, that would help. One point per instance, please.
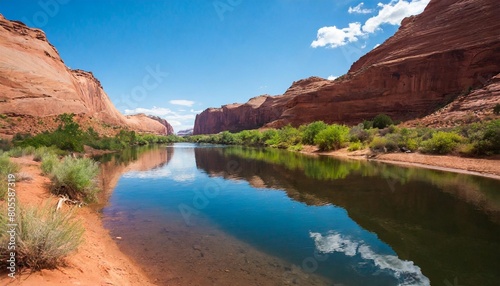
(217, 215)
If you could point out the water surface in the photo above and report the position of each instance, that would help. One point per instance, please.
(211, 215)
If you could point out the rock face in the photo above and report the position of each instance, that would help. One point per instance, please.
(35, 83)
(434, 57)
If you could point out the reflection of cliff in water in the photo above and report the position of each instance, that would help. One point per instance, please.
(447, 223)
(113, 165)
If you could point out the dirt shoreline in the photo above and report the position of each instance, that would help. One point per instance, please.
(472, 166)
(98, 260)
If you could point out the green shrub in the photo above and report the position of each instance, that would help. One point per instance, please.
(49, 161)
(284, 137)
(378, 144)
(488, 141)
(251, 137)
(15, 152)
(382, 121)
(392, 143)
(5, 144)
(332, 138)
(354, 146)
(466, 149)
(388, 143)
(367, 124)
(296, 148)
(441, 143)
(408, 139)
(44, 237)
(40, 152)
(359, 134)
(228, 138)
(311, 130)
(6, 167)
(76, 178)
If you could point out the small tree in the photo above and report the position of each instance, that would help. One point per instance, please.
(332, 138)
(311, 130)
(382, 121)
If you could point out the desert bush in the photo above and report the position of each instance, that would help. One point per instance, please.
(15, 152)
(43, 151)
(359, 134)
(44, 237)
(382, 121)
(488, 141)
(6, 167)
(367, 124)
(378, 144)
(228, 138)
(332, 138)
(354, 146)
(296, 148)
(441, 143)
(251, 137)
(49, 161)
(311, 130)
(268, 134)
(388, 143)
(75, 178)
(392, 143)
(284, 137)
(408, 139)
(5, 145)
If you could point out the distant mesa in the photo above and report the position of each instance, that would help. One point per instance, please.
(449, 55)
(36, 86)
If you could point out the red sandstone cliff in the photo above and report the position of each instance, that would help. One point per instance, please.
(433, 58)
(36, 85)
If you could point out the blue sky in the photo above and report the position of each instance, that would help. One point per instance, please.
(175, 58)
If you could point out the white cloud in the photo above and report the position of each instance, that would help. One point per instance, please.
(156, 111)
(376, 46)
(392, 13)
(174, 123)
(196, 111)
(332, 77)
(403, 270)
(333, 37)
(359, 9)
(182, 102)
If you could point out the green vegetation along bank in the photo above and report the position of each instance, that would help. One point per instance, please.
(379, 135)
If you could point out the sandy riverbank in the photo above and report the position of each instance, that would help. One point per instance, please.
(474, 166)
(98, 261)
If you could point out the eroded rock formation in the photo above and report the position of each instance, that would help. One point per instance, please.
(434, 57)
(35, 84)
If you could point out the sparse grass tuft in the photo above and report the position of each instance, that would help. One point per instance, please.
(6, 167)
(44, 237)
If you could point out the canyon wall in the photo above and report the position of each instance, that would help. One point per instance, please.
(35, 84)
(446, 51)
